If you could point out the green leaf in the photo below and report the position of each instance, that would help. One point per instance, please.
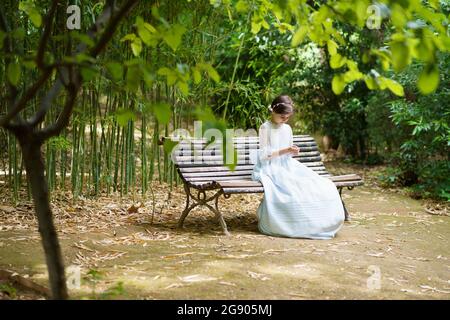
(133, 78)
(352, 75)
(124, 115)
(128, 37)
(29, 64)
(394, 86)
(338, 84)
(148, 76)
(210, 70)
(371, 83)
(35, 17)
(164, 71)
(299, 36)
(143, 32)
(241, 6)
(82, 57)
(84, 38)
(284, 27)
(360, 9)
(332, 47)
(173, 36)
(337, 61)
(13, 73)
(428, 79)
(398, 16)
(32, 12)
(115, 69)
(256, 26)
(147, 32)
(155, 11)
(168, 145)
(230, 164)
(136, 46)
(183, 87)
(171, 75)
(162, 112)
(88, 73)
(384, 56)
(18, 33)
(196, 74)
(400, 55)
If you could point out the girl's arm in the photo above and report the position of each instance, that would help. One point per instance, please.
(294, 150)
(266, 148)
(282, 152)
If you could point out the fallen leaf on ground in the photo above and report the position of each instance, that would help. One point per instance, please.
(6, 209)
(225, 283)
(174, 285)
(259, 276)
(197, 278)
(427, 288)
(377, 255)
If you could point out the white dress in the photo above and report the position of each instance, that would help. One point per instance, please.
(297, 202)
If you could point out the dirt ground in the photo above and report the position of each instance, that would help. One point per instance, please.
(391, 249)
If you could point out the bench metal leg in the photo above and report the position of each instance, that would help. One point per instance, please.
(201, 199)
(347, 217)
(187, 209)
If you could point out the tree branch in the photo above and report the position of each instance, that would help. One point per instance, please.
(30, 93)
(64, 117)
(46, 103)
(46, 35)
(112, 26)
(75, 84)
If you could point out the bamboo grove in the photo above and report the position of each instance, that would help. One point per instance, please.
(111, 144)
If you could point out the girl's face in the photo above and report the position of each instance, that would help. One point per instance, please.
(280, 118)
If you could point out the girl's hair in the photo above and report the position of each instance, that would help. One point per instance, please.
(282, 105)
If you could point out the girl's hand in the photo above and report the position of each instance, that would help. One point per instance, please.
(294, 150)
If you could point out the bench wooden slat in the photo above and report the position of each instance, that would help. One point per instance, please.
(243, 190)
(231, 173)
(184, 170)
(230, 178)
(220, 162)
(296, 138)
(346, 177)
(240, 157)
(251, 144)
(231, 190)
(349, 183)
(238, 145)
(234, 181)
(245, 186)
(251, 183)
(211, 152)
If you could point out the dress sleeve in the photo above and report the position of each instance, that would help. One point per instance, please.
(290, 138)
(263, 153)
(265, 148)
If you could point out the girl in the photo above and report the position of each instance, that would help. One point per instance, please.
(297, 202)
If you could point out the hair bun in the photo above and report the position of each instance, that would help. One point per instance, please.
(282, 105)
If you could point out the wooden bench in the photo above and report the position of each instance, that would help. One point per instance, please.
(201, 169)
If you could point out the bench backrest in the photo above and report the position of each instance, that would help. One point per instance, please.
(197, 162)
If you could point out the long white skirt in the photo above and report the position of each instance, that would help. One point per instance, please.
(297, 202)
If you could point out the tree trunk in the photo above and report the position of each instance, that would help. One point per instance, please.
(34, 164)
